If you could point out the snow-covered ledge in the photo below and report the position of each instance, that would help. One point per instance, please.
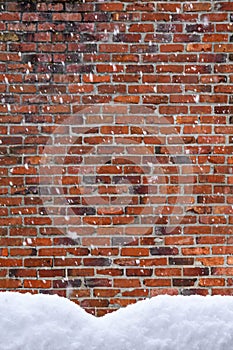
(36, 322)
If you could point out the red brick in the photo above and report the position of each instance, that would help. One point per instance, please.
(164, 7)
(195, 7)
(164, 291)
(211, 261)
(196, 251)
(211, 282)
(223, 48)
(135, 252)
(111, 7)
(67, 17)
(199, 47)
(127, 283)
(144, 28)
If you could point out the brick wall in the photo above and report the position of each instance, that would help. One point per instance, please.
(116, 124)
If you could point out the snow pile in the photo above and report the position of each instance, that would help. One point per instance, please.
(39, 322)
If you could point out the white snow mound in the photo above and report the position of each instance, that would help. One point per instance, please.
(42, 322)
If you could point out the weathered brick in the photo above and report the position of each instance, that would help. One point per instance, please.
(163, 251)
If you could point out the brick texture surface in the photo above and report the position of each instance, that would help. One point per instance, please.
(116, 123)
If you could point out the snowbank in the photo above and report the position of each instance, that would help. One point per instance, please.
(36, 322)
